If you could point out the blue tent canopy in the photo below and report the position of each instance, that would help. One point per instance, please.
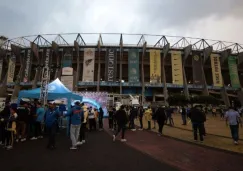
(56, 90)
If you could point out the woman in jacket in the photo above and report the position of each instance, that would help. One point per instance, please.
(148, 117)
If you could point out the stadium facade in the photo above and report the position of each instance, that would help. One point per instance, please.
(152, 65)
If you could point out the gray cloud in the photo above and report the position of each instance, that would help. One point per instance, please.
(212, 19)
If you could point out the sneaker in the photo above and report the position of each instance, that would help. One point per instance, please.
(159, 134)
(133, 129)
(23, 139)
(123, 140)
(114, 138)
(17, 140)
(83, 141)
(79, 143)
(73, 148)
(33, 138)
(9, 147)
(236, 143)
(140, 129)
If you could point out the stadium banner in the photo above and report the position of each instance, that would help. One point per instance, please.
(1, 67)
(111, 65)
(197, 69)
(67, 82)
(47, 58)
(133, 65)
(155, 66)
(233, 71)
(176, 61)
(28, 64)
(67, 58)
(216, 70)
(88, 65)
(11, 69)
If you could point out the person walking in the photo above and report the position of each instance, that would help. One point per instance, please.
(76, 114)
(110, 117)
(140, 117)
(133, 114)
(148, 117)
(233, 120)
(161, 119)
(121, 119)
(197, 118)
(183, 115)
(4, 115)
(92, 119)
(100, 118)
(51, 119)
(83, 129)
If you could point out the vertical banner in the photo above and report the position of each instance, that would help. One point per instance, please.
(176, 62)
(155, 66)
(67, 82)
(133, 65)
(111, 62)
(1, 67)
(28, 63)
(197, 69)
(216, 70)
(233, 71)
(11, 69)
(67, 58)
(88, 65)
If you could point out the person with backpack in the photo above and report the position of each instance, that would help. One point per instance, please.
(100, 118)
(161, 119)
(76, 116)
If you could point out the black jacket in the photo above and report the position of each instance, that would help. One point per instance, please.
(197, 115)
(121, 117)
(133, 114)
(161, 116)
(23, 114)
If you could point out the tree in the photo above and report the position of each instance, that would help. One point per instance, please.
(177, 99)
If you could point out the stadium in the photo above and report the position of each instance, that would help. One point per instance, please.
(151, 66)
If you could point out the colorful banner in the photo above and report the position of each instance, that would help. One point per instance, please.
(67, 58)
(177, 74)
(133, 65)
(233, 71)
(197, 69)
(1, 67)
(11, 69)
(216, 70)
(28, 64)
(155, 66)
(47, 58)
(111, 62)
(88, 65)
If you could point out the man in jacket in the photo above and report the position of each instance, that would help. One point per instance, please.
(76, 114)
(22, 121)
(51, 124)
(197, 118)
(121, 118)
(133, 114)
(161, 119)
(140, 116)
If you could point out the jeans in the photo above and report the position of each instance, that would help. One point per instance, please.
(234, 132)
(100, 123)
(161, 125)
(110, 123)
(21, 129)
(51, 130)
(2, 133)
(121, 128)
(131, 124)
(198, 127)
(38, 131)
(83, 131)
(141, 122)
(92, 124)
(183, 119)
(74, 134)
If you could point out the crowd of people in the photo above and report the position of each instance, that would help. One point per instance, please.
(30, 121)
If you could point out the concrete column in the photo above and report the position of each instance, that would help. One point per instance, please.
(142, 72)
(166, 49)
(187, 52)
(76, 78)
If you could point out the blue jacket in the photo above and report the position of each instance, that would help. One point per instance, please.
(76, 114)
(51, 117)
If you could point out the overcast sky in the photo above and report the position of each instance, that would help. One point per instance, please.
(214, 19)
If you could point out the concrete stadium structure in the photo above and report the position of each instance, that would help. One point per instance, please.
(77, 42)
